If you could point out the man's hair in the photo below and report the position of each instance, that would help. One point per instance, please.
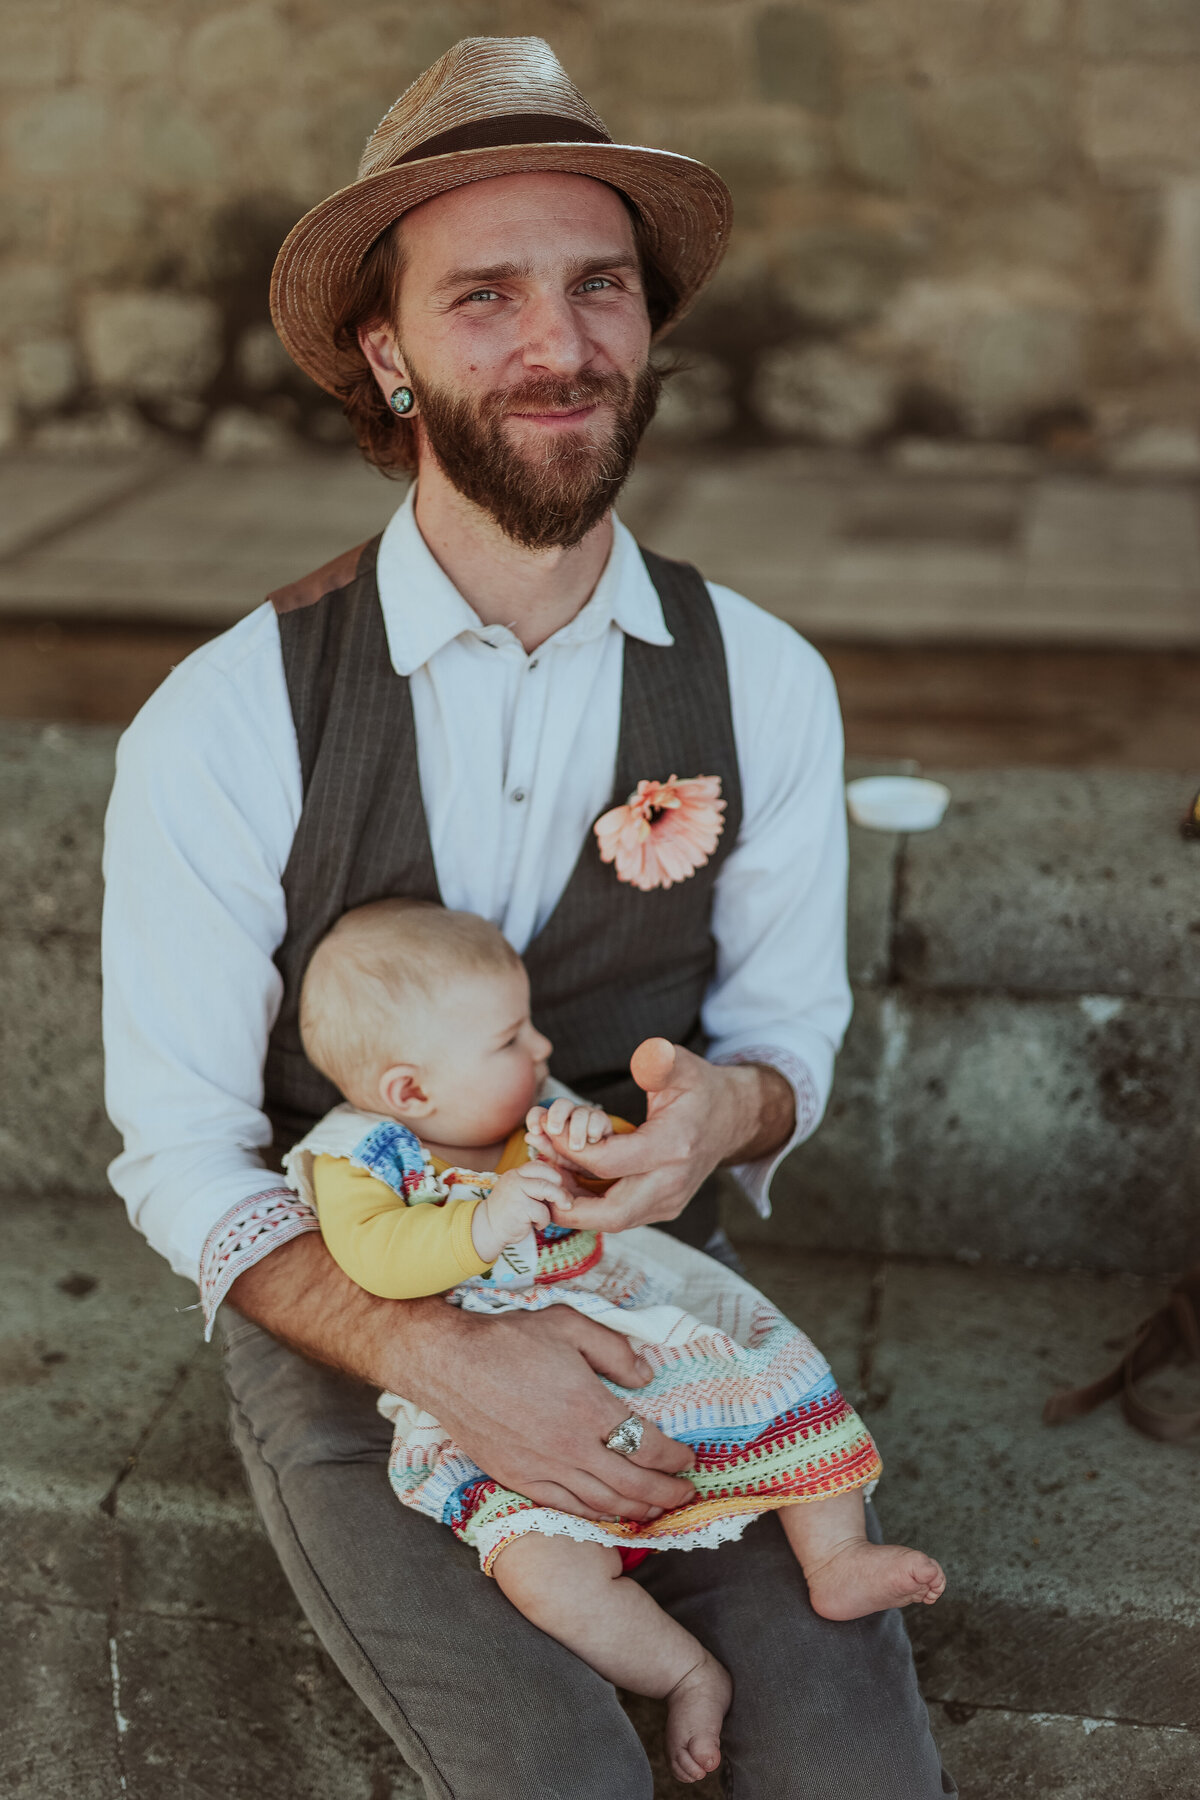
(366, 974)
(385, 439)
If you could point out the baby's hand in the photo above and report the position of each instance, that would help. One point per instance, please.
(520, 1199)
(554, 1132)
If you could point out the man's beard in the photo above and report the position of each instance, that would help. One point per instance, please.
(553, 499)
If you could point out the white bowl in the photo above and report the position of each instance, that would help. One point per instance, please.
(897, 802)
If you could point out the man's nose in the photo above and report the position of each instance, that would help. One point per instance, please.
(553, 337)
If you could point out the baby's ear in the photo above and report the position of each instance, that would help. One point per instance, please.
(402, 1094)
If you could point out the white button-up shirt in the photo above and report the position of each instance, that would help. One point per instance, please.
(516, 755)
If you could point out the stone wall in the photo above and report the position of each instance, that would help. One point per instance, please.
(955, 217)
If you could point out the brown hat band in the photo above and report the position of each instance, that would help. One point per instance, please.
(509, 128)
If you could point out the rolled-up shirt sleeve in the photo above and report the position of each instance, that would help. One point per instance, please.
(780, 994)
(199, 827)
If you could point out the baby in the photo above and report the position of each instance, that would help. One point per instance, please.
(445, 1173)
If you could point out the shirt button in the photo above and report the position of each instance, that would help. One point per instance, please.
(533, 665)
(517, 795)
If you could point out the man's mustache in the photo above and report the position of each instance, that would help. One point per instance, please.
(545, 394)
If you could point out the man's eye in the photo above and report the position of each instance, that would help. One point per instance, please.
(593, 283)
(483, 294)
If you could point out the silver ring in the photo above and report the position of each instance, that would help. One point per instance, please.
(626, 1438)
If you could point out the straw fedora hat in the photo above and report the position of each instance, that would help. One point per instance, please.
(489, 106)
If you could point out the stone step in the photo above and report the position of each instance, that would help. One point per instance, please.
(1063, 1657)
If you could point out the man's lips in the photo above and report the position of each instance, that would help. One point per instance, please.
(577, 415)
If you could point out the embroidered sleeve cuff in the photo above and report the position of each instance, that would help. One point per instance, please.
(247, 1233)
(754, 1178)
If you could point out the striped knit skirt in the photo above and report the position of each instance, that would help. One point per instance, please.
(733, 1379)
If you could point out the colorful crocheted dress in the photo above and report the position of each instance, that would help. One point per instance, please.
(741, 1385)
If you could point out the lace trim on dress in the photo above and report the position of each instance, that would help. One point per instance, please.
(247, 1233)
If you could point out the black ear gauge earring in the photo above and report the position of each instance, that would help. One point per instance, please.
(402, 400)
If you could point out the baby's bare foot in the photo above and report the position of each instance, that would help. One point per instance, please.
(860, 1578)
(696, 1705)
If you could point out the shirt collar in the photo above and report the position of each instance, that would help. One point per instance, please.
(423, 610)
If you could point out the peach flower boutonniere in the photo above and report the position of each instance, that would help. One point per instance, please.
(664, 832)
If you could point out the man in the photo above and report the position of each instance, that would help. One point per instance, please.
(445, 713)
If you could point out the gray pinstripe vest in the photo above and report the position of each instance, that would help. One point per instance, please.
(611, 965)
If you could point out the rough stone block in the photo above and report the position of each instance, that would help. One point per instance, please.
(122, 46)
(823, 392)
(797, 58)
(1033, 1616)
(54, 1133)
(832, 1192)
(152, 345)
(33, 297)
(878, 137)
(687, 59)
(1055, 881)
(46, 370)
(35, 49)
(840, 275)
(92, 1343)
(189, 1539)
(998, 1755)
(222, 1709)
(60, 1734)
(60, 132)
(1054, 1132)
(1018, 361)
(1009, 127)
(1141, 28)
(54, 787)
(1129, 119)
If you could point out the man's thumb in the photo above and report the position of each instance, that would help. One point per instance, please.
(653, 1064)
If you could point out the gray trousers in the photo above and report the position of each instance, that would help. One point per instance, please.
(480, 1702)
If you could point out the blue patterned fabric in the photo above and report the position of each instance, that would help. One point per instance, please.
(393, 1155)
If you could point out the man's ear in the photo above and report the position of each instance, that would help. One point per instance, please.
(378, 345)
(402, 1094)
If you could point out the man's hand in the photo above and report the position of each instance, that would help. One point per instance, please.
(698, 1115)
(520, 1393)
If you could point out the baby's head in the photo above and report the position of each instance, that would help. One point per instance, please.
(423, 1014)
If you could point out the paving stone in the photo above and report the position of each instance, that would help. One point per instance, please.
(217, 1710)
(54, 1132)
(60, 1735)
(54, 787)
(208, 544)
(1055, 881)
(1089, 534)
(39, 495)
(91, 1343)
(1069, 1552)
(999, 1755)
(190, 1541)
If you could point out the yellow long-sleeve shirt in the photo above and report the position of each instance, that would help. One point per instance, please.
(398, 1251)
(394, 1250)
